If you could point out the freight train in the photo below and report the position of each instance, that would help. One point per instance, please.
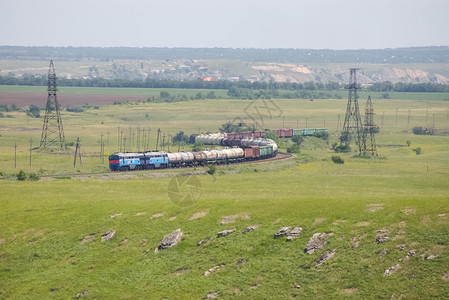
(233, 138)
(162, 160)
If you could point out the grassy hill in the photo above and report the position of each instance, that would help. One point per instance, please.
(403, 195)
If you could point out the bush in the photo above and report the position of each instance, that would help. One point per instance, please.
(408, 143)
(417, 150)
(337, 159)
(293, 149)
(211, 169)
(34, 177)
(198, 146)
(322, 135)
(418, 130)
(76, 109)
(342, 149)
(21, 175)
(297, 139)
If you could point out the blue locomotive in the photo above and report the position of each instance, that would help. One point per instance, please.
(138, 161)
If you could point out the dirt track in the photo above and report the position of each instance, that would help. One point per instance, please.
(40, 99)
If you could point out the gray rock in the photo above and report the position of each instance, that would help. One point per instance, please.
(108, 235)
(326, 256)
(205, 241)
(382, 236)
(282, 232)
(391, 270)
(225, 232)
(211, 270)
(213, 295)
(88, 238)
(250, 228)
(241, 261)
(412, 252)
(316, 242)
(170, 239)
(295, 233)
(383, 252)
(402, 247)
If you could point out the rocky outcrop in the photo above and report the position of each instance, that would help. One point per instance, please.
(326, 256)
(250, 228)
(108, 235)
(316, 242)
(391, 270)
(225, 232)
(295, 233)
(170, 240)
(282, 232)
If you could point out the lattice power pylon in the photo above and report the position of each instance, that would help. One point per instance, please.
(52, 130)
(352, 127)
(368, 140)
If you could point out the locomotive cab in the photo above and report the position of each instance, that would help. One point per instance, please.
(114, 162)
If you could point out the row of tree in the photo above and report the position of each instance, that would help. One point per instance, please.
(223, 84)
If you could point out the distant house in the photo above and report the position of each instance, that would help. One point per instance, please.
(206, 78)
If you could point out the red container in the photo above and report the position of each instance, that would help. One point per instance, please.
(259, 133)
(252, 153)
(232, 135)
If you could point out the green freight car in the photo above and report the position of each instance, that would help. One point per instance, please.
(266, 151)
(308, 132)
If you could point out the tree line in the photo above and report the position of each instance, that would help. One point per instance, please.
(235, 88)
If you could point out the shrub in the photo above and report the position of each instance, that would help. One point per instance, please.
(34, 177)
(293, 149)
(418, 130)
(198, 146)
(342, 149)
(417, 150)
(211, 169)
(21, 175)
(408, 143)
(337, 159)
(322, 135)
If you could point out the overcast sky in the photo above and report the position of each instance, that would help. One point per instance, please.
(312, 24)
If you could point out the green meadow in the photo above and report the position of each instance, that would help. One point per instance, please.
(43, 223)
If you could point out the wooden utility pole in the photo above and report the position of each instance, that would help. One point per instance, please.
(129, 137)
(102, 156)
(78, 151)
(382, 121)
(148, 139)
(144, 138)
(338, 123)
(31, 148)
(101, 146)
(15, 155)
(138, 139)
(408, 119)
(397, 116)
(157, 140)
(163, 142)
(118, 136)
(168, 142)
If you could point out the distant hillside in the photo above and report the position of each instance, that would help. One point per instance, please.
(393, 56)
(408, 65)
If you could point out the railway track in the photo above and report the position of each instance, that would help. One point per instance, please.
(279, 156)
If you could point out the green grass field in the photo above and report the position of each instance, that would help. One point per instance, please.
(43, 223)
